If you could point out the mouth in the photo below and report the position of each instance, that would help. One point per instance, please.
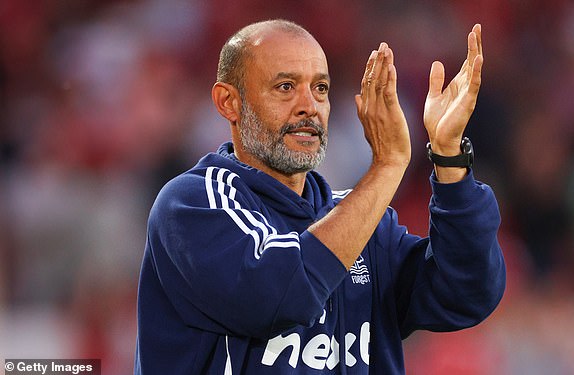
(304, 136)
(304, 132)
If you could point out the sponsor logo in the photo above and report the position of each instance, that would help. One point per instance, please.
(320, 352)
(359, 272)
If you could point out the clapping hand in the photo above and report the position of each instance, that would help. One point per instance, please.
(447, 112)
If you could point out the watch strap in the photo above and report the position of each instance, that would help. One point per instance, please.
(464, 160)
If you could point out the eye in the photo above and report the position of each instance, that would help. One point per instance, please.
(323, 88)
(285, 86)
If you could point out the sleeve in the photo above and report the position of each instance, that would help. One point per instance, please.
(227, 269)
(456, 277)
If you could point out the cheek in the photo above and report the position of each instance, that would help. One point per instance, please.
(271, 112)
(324, 112)
(276, 117)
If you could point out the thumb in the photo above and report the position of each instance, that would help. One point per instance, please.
(436, 79)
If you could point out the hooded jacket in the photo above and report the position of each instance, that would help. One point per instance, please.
(233, 283)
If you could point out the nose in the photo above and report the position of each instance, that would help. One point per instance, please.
(306, 105)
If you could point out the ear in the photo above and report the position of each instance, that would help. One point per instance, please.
(227, 101)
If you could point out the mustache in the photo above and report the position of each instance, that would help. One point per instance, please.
(306, 123)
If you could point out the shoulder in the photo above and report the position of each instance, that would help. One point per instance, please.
(189, 188)
(185, 184)
(204, 187)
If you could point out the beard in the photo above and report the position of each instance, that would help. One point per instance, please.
(269, 146)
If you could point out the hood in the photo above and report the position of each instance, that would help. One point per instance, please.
(315, 202)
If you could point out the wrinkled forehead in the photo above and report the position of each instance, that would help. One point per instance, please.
(274, 51)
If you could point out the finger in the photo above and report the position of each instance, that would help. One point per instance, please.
(478, 31)
(374, 81)
(388, 79)
(388, 60)
(382, 84)
(390, 93)
(471, 95)
(390, 56)
(368, 69)
(472, 51)
(476, 76)
(436, 79)
(370, 93)
(377, 73)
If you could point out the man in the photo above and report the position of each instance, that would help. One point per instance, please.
(254, 266)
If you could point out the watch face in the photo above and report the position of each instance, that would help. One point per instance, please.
(466, 146)
(467, 149)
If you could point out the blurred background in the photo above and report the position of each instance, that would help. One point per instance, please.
(101, 102)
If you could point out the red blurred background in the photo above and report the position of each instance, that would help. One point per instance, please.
(101, 102)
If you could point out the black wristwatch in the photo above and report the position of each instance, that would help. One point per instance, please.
(463, 160)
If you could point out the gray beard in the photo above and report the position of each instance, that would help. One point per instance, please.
(269, 147)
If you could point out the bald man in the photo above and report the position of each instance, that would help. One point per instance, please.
(253, 265)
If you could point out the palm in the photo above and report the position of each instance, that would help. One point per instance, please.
(447, 111)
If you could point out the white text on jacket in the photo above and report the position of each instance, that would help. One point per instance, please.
(319, 351)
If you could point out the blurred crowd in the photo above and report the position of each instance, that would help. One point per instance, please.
(101, 102)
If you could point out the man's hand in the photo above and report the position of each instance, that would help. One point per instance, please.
(347, 228)
(447, 111)
(380, 113)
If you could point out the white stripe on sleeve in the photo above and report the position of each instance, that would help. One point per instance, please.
(265, 236)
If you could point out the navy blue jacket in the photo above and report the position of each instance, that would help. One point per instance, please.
(233, 283)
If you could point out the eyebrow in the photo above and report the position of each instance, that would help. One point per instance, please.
(295, 76)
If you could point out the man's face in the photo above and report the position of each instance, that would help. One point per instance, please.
(285, 108)
(268, 145)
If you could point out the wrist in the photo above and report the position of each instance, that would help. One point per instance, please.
(450, 147)
(463, 158)
(452, 167)
(450, 175)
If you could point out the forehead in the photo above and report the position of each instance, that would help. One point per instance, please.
(275, 52)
